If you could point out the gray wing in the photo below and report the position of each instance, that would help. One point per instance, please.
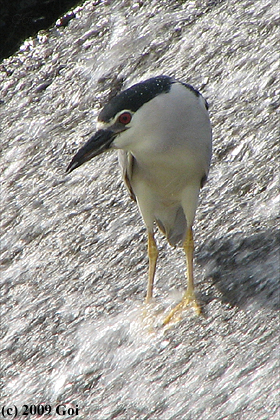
(126, 161)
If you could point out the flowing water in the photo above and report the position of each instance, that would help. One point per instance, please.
(73, 247)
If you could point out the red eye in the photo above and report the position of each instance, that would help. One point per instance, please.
(125, 118)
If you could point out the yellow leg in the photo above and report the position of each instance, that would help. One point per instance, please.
(153, 254)
(189, 296)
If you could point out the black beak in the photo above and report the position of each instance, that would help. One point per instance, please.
(97, 144)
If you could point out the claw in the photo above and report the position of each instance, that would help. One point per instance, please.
(189, 299)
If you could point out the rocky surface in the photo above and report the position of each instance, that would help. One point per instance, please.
(20, 19)
(73, 247)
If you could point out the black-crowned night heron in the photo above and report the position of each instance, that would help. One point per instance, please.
(162, 129)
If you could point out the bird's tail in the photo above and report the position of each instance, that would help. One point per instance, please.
(176, 233)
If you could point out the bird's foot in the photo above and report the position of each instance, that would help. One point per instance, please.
(152, 315)
(148, 314)
(189, 300)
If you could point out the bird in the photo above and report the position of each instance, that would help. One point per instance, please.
(162, 131)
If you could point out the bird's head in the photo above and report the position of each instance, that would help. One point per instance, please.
(119, 119)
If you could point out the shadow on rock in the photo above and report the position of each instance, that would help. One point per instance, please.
(245, 269)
